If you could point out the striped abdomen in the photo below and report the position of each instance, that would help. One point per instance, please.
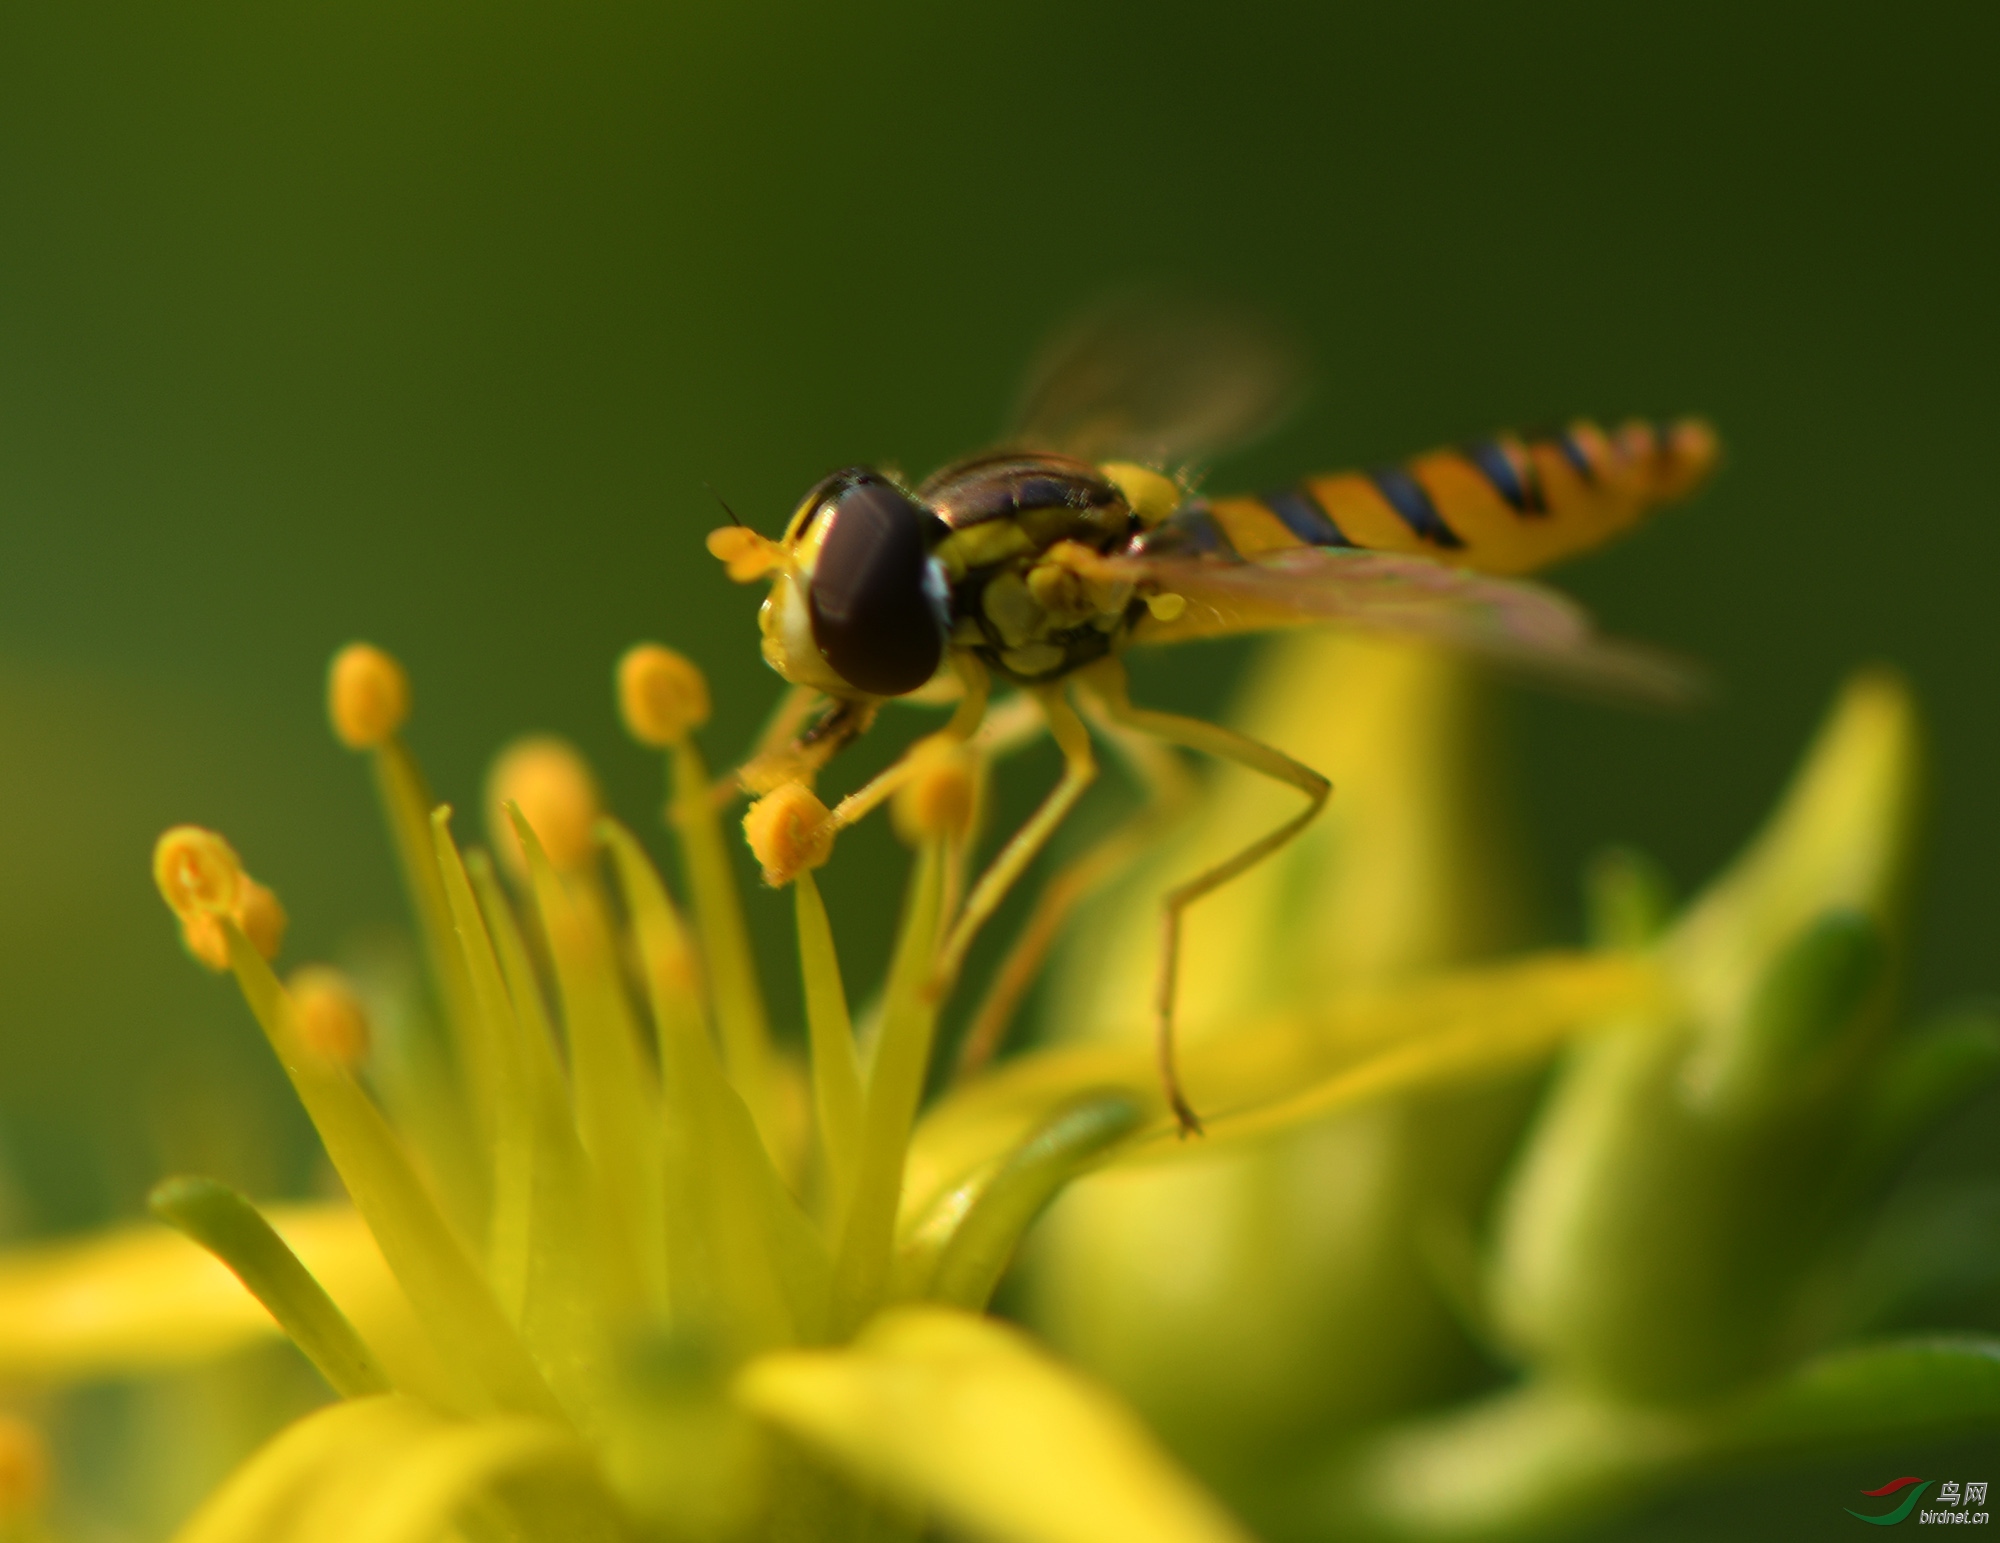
(1503, 505)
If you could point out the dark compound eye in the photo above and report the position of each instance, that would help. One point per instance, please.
(874, 615)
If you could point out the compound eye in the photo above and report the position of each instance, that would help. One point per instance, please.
(874, 616)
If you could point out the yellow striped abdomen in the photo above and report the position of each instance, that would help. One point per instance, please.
(1505, 505)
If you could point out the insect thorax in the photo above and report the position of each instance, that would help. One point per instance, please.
(1024, 613)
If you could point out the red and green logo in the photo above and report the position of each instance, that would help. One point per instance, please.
(1909, 1501)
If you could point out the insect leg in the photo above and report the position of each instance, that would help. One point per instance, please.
(1167, 792)
(1007, 727)
(775, 758)
(1107, 678)
(965, 720)
(1079, 771)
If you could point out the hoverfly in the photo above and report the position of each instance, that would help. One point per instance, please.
(1038, 564)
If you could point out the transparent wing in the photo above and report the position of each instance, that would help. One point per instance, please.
(1521, 625)
(1160, 378)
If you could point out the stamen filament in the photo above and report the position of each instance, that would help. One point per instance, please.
(757, 1275)
(548, 1241)
(406, 804)
(546, 1091)
(510, 1122)
(235, 1231)
(615, 1092)
(451, 1297)
(895, 1086)
(737, 1001)
(679, 1020)
(524, 989)
(837, 1095)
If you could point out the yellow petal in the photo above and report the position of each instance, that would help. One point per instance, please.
(424, 1488)
(956, 1412)
(141, 1297)
(281, 1488)
(390, 1471)
(1279, 1074)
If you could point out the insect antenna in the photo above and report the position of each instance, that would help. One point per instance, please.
(734, 517)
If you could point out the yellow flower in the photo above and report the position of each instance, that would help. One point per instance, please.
(611, 1264)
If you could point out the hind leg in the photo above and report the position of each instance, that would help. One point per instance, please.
(1167, 793)
(1012, 860)
(1107, 680)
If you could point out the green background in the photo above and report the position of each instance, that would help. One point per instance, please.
(426, 323)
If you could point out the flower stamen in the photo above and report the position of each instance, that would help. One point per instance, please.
(938, 800)
(367, 696)
(331, 1021)
(197, 871)
(368, 700)
(674, 688)
(789, 831)
(202, 880)
(662, 696)
(557, 796)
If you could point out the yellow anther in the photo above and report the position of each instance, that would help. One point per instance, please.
(24, 1470)
(1152, 495)
(789, 831)
(662, 695)
(938, 799)
(1166, 607)
(330, 1018)
(747, 555)
(261, 916)
(199, 874)
(203, 937)
(202, 879)
(557, 796)
(367, 696)
(669, 959)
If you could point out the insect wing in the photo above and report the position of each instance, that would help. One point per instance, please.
(1520, 625)
(1159, 379)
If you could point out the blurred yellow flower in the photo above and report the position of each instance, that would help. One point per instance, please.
(1293, 1287)
(615, 1264)
(1654, 1253)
